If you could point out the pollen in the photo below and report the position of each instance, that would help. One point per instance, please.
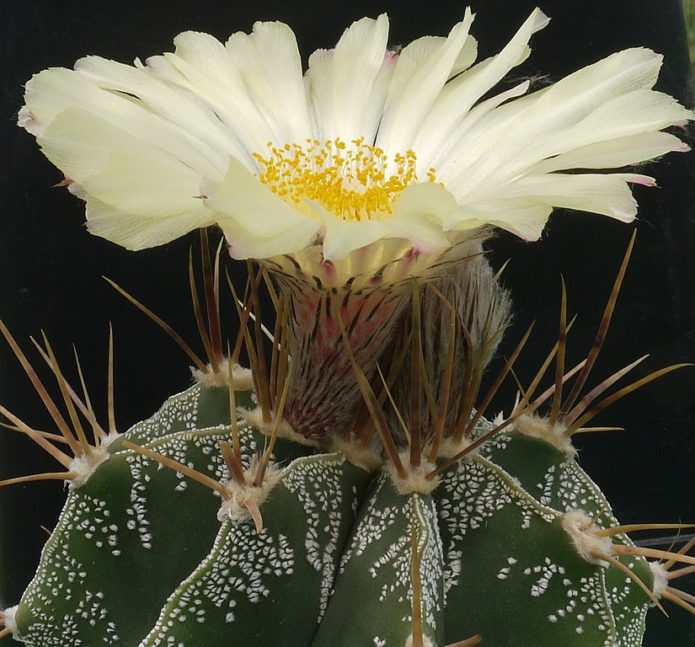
(355, 182)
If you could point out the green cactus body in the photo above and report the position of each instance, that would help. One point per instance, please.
(334, 564)
(374, 586)
(283, 574)
(129, 535)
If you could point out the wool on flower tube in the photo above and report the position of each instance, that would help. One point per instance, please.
(371, 166)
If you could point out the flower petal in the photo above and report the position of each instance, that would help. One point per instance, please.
(614, 153)
(53, 91)
(269, 62)
(597, 103)
(522, 216)
(413, 94)
(207, 69)
(254, 219)
(607, 194)
(459, 96)
(120, 170)
(343, 81)
(135, 231)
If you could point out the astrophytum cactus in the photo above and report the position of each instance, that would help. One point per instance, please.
(348, 488)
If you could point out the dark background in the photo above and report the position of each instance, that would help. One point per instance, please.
(50, 268)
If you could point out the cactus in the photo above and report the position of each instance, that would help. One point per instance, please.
(210, 523)
(350, 486)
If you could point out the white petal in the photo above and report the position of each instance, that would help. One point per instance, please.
(134, 231)
(255, 220)
(459, 96)
(342, 237)
(208, 70)
(424, 199)
(522, 216)
(607, 194)
(596, 103)
(614, 153)
(342, 81)
(56, 90)
(415, 92)
(176, 105)
(118, 169)
(269, 63)
(445, 156)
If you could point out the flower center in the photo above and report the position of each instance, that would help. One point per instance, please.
(349, 181)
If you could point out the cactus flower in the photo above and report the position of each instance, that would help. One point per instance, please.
(366, 147)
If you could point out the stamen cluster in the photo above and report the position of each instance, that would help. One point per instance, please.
(352, 181)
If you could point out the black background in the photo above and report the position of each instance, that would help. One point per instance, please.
(50, 268)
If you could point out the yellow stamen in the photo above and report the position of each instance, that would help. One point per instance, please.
(350, 181)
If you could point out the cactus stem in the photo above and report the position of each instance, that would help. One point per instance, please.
(177, 466)
(594, 545)
(417, 638)
(199, 363)
(469, 642)
(46, 476)
(373, 405)
(616, 563)
(636, 527)
(602, 330)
